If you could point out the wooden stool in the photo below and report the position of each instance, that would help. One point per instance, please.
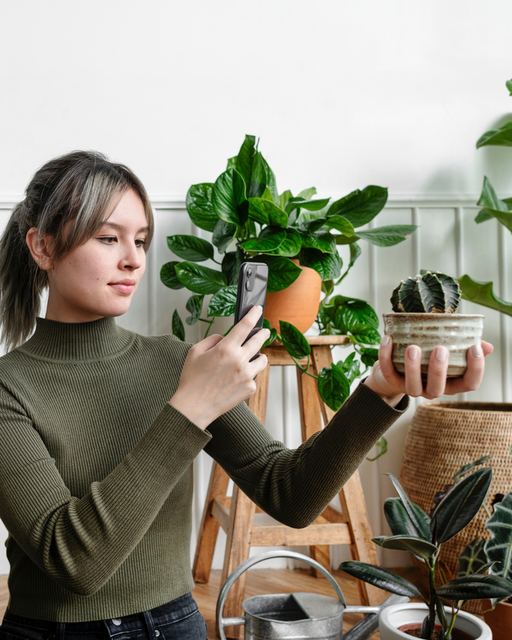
(236, 515)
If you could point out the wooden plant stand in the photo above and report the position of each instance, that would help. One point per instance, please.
(236, 515)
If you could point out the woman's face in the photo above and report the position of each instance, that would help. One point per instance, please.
(99, 278)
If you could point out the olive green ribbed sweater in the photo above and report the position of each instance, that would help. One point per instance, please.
(96, 469)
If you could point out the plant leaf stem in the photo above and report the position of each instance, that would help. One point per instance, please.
(304, 370)
(432, 605)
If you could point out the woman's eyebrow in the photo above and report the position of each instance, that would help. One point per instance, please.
(114, 225)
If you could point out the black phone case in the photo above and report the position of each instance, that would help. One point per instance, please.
(246, 300)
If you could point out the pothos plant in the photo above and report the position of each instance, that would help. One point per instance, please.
(492, 207)
(251, 221)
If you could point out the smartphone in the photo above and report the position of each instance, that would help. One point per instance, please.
(252, 290)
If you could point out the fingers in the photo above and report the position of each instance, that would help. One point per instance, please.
(471, 380)
(437, 370)
(487, 347)
(412, 364)
(208, 343)
(385, 363)
(242, 329)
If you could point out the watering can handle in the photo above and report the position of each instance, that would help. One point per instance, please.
(227, 622)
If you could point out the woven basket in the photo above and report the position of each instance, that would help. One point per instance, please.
(442, 438)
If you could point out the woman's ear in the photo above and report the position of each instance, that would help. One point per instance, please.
(39, 247)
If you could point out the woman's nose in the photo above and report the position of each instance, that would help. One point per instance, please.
(132, 258)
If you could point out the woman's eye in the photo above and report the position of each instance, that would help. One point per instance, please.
(108, 240)
(141, 242)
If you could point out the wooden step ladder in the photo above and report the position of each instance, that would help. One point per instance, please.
(236, 515)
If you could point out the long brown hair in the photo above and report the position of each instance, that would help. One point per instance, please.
(79, 187)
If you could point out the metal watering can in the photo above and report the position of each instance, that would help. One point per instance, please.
(294, 616)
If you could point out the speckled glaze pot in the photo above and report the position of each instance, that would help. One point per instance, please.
(456, 331)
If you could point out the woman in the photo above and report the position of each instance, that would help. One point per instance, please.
(100, 426)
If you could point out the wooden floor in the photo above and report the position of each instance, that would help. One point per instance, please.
(261, 581)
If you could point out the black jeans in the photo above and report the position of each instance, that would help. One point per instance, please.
(178, 619)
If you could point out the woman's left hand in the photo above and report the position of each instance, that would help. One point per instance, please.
(392, 386)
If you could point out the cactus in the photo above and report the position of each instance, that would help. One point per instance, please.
(433, 292)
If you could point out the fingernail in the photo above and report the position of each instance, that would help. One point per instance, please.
(259, 307)
(477, 351)
(441, 353)
(267, 332)
(385, 341)
(414, 352)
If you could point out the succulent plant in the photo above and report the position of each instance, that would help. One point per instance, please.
(431, 292)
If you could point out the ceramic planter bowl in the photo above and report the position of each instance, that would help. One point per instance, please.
(456, 331)
(500, 620)
(414, 612)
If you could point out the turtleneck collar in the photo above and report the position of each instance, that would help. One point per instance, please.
(67, 341)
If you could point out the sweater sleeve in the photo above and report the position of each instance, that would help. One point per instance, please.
(295, 485)
(80, 543)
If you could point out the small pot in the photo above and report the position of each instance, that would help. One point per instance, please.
(298, 303)
(499, 620)
(414, 612)
(456, 331)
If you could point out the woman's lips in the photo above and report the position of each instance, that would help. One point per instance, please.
(122, 288)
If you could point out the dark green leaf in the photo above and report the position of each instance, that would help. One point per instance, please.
(231, 163)
(200, 279)
(426, 630)
(328, 265)
(333, 387)
(190, 247)
(482, 216)
(273, 333)
(282, 272)
(387, 236)
(460, 505)
(194, 306)
(312, 225)
(499, 547)
(509, 86)
(472, 558)
(501, 137)
(291, 245)
(267, 242)
(293, 340)
(364, 334)
(223, 303)
(475, 587)
(408, 505)
(228, 194)
(340, 224)
(266, 212)
(369, 356)
(350, 367)
(311, 220)
(355, 311)
(223, 234)
(400, 523)
(231, 265)
(177, 326)
(465, 469)
(258, 182)
(321, 240)
(380, 577)
(359, 207)
(271, 181)
(245, 157)
(168, 275)
(494, 206)
(417, 546)
(283, 199)
(482, 293)
(199, 206)
(309, 205)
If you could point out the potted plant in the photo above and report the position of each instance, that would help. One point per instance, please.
(294, 236)
(424, 314)
(423, 536)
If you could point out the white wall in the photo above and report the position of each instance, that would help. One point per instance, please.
(342, 94)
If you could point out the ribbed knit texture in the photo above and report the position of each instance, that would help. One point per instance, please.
(96, 475)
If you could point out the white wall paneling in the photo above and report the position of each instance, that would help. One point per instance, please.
(447, 239)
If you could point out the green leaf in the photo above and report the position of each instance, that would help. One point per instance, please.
(426, 630)
(494, 206)
(482, 293)
(472, 558)
(228, 194)
(359, 207)
(231, 265)
(499, 547)
(460, 505)
(258, 183)
(483, 215)
(387, 236)
(177, 326)
(369, 356)
(267, 242)
(271, 181)
(465, 469)
(282, 272)
(199, 206)
(307, 194)
(283, 199)
(400, 523)
(309, 205)
(350, 367)
(200, 279)
(273, 333)
(417, 546)
(509, 86)
(381, 444)
(245, 157)
(333, 387)
(293, 340)
(223, 234)
(364, 334)
(501, 137)
(407, 504)
(380, 577)
(340, 224)
(195, 307)
(190, 247)
(291, 245)
(327, 265)
(321, 240)
(266, 212)
(311, 220)
(475, 587)
(168, 275)
(223, 303)
(355, 311)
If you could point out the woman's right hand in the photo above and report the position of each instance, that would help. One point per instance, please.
(217, 374)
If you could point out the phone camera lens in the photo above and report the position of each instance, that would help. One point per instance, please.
(249, 272)
(247, 286)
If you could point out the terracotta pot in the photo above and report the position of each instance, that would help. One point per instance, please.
(500, 620)
(298, 303)
(456, 331)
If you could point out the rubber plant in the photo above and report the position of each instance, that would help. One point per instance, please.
(250, 220)
(492, 208)
(423, 535)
